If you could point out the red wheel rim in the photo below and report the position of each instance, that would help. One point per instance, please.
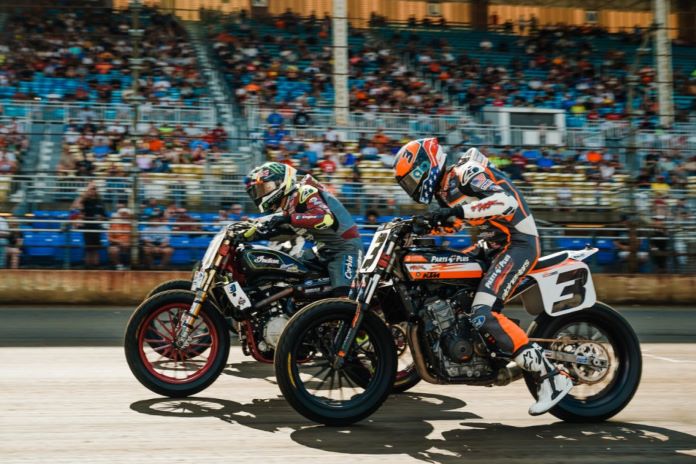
(162, 359)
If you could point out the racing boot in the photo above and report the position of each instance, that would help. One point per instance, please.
(552, 384)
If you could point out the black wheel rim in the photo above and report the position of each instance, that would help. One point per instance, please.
(316, 378)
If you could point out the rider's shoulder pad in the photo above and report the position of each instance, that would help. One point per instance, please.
(467, 171)
(306, 191)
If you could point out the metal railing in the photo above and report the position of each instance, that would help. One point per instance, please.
(120, 113)
(593, 135)
(61, 243)
(209, 189)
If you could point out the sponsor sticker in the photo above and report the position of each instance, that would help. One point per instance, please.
(449, 259)
(515, 278)
(348, 266)
(496, 272)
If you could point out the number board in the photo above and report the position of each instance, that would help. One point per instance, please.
(566, 289)
(375, 251)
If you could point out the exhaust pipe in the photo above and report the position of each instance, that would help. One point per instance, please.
(508, 375)
(276, 296)
(418, 358)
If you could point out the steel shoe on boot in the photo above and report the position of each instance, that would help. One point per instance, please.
(552, 384)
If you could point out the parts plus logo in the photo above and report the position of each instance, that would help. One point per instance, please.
(498, 270)
(449, 259)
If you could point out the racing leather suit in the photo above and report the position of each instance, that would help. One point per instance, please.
(481, 195)
(315, 213)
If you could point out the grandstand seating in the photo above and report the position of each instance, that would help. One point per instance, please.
(276, 79)
(98, 73)
(461, 42)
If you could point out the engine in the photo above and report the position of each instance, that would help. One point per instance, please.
(273, 328)
(453, 340)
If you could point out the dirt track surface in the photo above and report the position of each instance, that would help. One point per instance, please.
(105, 325)
(81, 404)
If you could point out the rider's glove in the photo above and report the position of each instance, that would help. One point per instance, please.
(271, 226)
(445, 216)
(276, 221)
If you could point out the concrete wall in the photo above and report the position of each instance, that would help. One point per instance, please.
(80, 287)
(129, 288)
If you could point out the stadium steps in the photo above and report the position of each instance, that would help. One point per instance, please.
(220, 92)
(45, 143)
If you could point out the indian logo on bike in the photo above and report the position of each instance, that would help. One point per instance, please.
(261, 259)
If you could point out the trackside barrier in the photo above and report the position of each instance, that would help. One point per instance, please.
(48, 242)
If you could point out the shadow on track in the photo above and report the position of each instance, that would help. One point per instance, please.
(479, 441)
(251, 370)
(273, 414)
(404, 426)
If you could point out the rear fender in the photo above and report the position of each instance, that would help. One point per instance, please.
(559, 290)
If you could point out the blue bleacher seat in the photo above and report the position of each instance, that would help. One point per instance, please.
(182, 249)
(572, 243)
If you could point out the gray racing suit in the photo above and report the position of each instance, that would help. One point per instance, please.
(483, 197)
(317, 214)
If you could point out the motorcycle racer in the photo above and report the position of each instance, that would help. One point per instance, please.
(309, 209)
(474, 191)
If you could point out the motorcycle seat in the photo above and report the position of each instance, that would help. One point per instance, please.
(551, 260)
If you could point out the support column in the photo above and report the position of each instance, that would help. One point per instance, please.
(479, 14)
(686, 20)
(340, 62)
(663, 62)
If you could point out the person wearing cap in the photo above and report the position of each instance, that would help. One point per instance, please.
(120, 237)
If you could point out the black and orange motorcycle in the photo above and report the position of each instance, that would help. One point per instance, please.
(335, 359)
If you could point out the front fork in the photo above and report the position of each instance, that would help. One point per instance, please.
(186, 326)
(363, 299)
(183, 337)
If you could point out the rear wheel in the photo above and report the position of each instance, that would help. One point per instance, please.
(153, 355)
(601, 390)
(306, 371)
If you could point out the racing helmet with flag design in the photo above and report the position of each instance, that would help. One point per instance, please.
(269, 183)
(418, 168)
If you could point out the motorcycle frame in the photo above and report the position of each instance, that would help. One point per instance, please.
(386, 256)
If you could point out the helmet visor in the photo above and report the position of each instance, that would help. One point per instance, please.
(257, 191)
(410, 182)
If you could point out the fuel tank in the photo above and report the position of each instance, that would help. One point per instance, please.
(260, 261)
(442, 265)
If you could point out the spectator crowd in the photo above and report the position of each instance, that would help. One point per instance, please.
(85, 56)
(152, 148)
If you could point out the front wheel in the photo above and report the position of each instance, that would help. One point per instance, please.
(308, 377)
(153, 355)
(601, 391)
(174, 284)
